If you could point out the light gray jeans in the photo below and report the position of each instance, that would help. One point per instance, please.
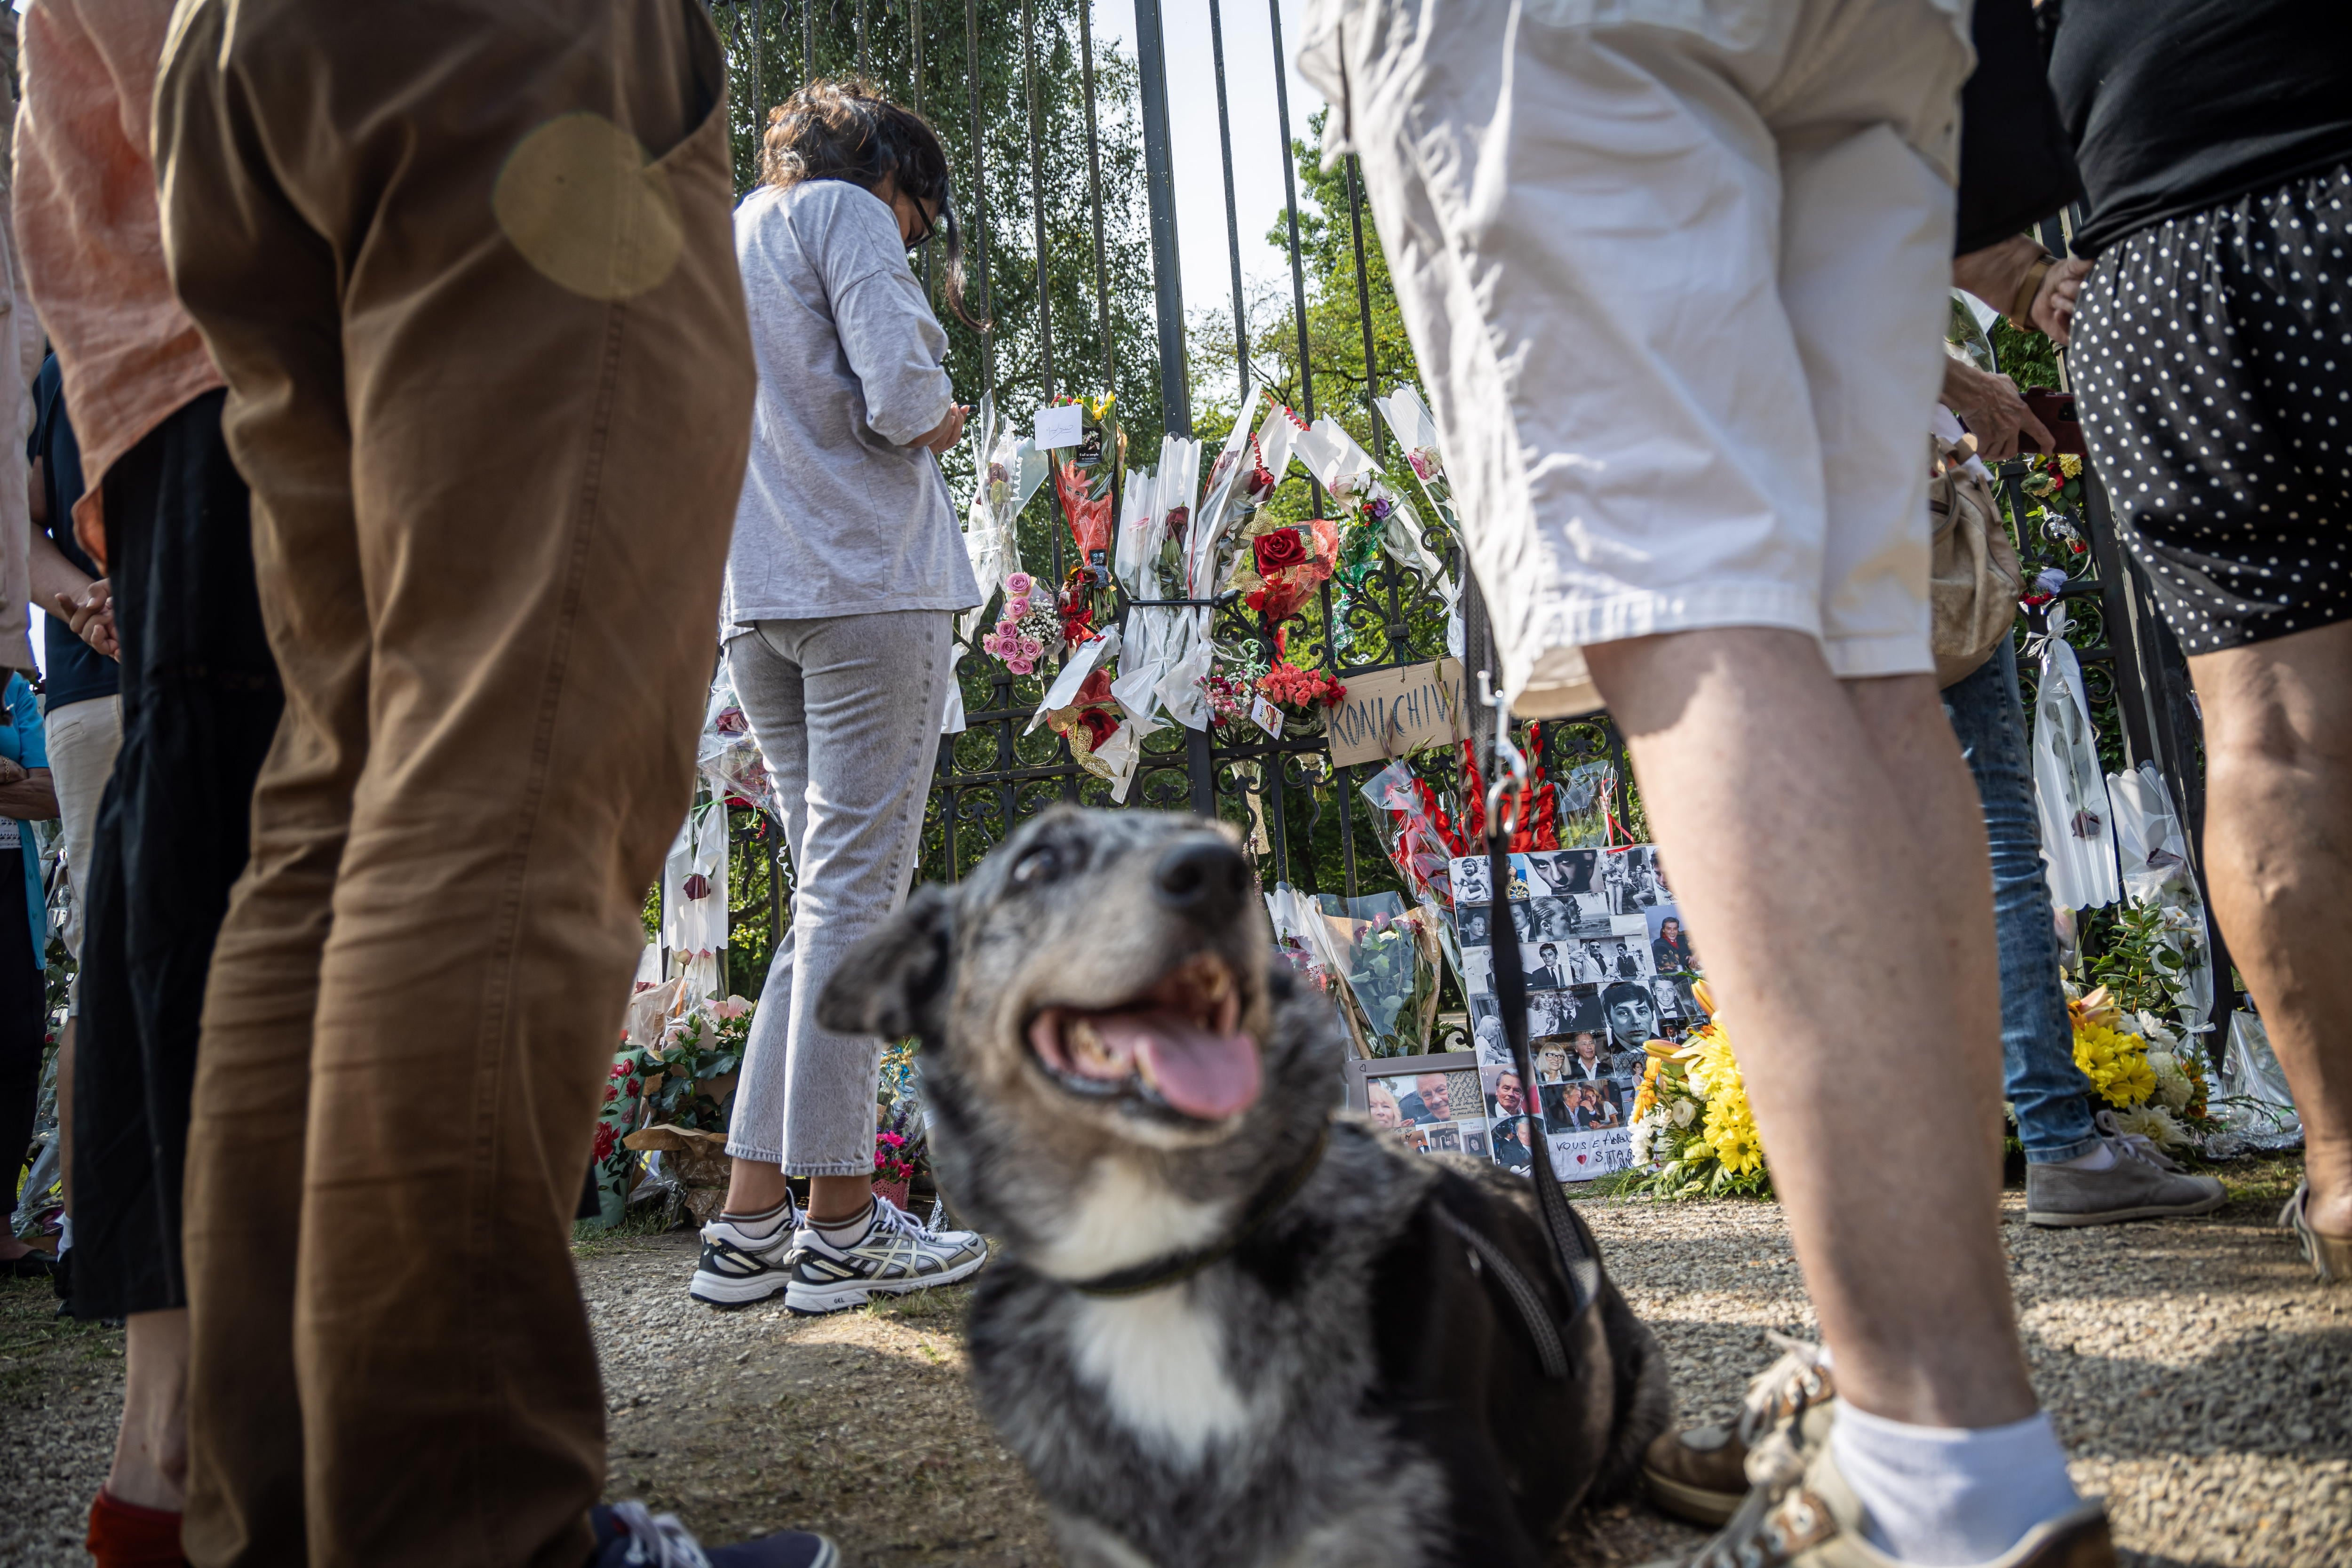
(846, 711)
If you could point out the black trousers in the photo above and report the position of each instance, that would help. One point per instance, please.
(24, 1026)
(200, 704)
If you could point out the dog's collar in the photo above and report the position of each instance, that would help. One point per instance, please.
(1177, 1268)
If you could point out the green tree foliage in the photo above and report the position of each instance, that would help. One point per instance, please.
(995, 188)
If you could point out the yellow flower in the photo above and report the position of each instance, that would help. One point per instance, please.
(2115, 1063)
(1730, 1132)
(2069, 464)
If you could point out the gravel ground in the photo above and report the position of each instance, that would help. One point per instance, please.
(2202, 1380)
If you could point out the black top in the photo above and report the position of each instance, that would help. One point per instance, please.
(77, 672)
(2179, 105)
(2016, 165)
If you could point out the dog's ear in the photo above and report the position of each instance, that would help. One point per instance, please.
(892, 983)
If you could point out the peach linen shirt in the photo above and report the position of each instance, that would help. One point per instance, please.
(91, 234)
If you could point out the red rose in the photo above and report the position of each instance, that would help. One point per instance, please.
(1278, 550)
(1094, 688)
(608, 1137)
(695, 887)
(1098, 725)
(612, 1093)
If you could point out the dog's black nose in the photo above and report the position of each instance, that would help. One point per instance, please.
(1205, 878)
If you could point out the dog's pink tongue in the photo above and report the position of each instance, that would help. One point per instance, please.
(1201, 1074)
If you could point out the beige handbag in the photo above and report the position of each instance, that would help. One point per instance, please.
(1974, 580)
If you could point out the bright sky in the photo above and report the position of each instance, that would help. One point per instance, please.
(1192, 127)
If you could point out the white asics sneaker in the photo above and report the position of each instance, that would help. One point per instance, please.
(897, 1254)
(738, 1268)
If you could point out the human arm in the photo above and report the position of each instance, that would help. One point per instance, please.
(28, 795)
(53, 576)
(1999, 273)
(893, 342)
(1990, 406)
(91, 616)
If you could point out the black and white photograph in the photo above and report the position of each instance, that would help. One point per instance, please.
(1670, 944)
(1492, 1047)
(1598, 960)
(1563, 873)
(1467, 876)
(1474, 1142)
(1446, 1139)
(1675, 998)
(1558, 920)
(1633, 880)
(1549, 971)
(1554, 1013)
(1470, 921)
(1633, 1014)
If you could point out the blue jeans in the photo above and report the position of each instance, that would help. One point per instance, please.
(2052, 1097)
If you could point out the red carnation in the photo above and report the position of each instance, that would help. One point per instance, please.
(1278, 550)
(1099, 726)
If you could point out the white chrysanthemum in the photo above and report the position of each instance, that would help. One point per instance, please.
(2173, 1086)
(2155, 1124)
(2159, 1036)
(1641, 1142)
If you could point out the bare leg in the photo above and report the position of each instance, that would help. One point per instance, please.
(1829, 849)
(151, 1454)
(755, 1186)
(2278, 847)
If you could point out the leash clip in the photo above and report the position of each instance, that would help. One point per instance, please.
(1510, 765)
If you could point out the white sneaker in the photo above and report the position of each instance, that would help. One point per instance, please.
(738, 1268)
(897, 1254)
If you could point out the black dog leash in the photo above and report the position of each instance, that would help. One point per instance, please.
(1507, 776)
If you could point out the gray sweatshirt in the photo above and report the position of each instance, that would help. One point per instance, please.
(839, 514)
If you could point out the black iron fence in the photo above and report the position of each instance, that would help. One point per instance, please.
(1065, 183)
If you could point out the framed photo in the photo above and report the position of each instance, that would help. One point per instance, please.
(1431, 1103)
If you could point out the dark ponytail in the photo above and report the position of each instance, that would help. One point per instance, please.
(842, 129)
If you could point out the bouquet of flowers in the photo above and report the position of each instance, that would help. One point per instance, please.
(1420, 837)
(1693, 1133)
(2149, 1085)
(1008, 476)
(1285, 564)
(727, 757)
(674, 1073)
(1300, 691)
(1086, 481)
(1090, 724)
(1029, 631)
(1387, 969)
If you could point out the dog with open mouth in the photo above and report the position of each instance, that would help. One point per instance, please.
(1231, 1324)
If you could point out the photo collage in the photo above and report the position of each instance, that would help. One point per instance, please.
(1435, 1109)
(1609, 967)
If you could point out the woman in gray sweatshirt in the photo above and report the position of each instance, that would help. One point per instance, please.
(842, 588)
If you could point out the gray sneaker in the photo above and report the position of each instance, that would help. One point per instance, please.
(2145, 1183)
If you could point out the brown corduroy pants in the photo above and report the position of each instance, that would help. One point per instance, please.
(468, 268)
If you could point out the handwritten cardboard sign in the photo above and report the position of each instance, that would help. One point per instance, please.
(1396, 712)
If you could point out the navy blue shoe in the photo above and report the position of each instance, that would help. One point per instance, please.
(629, 1537)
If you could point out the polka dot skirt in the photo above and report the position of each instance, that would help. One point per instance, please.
(2213, 359)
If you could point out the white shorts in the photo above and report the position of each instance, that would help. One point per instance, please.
(82, 738)
(1676, 272)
